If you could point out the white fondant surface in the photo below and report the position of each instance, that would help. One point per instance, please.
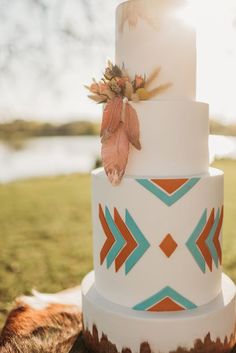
(174, 139)
(152, 34)
(163, 331)
(154, 270)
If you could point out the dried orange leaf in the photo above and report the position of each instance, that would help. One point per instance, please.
(132, 126)
(115, 151)
(139, 81)
(111, 117)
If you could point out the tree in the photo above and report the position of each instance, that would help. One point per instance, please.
(45, 45)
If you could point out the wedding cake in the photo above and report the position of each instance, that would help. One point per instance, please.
(157, 284)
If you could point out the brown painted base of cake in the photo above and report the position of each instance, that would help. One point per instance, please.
(93, 344)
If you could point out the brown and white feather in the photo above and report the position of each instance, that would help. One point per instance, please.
(132, 126)
(115, 151)
(111, 117)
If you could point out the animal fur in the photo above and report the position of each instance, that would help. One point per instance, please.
(50, 324)
(39, 324)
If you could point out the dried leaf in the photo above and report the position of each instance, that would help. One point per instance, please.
(135, 98)
(139, 82)
(116, 71)
(132, 126)
(111, 95)
(152, 77)
(159, 90)
(128, 90)
(115, 151)
(112, 71)
(111, 117)
(109, 64)
(114, 86)
(98, 98)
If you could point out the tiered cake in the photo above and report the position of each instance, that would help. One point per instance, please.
(157, 283)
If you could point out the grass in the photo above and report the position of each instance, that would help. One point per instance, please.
(45, 232)
(229, 244)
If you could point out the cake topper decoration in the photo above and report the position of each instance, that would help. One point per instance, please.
(120, 124)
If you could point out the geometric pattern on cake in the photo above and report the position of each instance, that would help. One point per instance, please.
(168, 191)
(125, 243)
(155, 221)
(165, 300)
(204, 242)
(168, 245)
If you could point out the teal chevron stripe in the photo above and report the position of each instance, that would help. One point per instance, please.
(210, 241)
(169, 200)
(119, 243)
(165, 292)
(142, 242)
(191, 243)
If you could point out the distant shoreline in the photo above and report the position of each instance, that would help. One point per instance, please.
(23, 129)
(216, 128)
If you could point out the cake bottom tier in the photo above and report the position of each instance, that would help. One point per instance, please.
(112, 328)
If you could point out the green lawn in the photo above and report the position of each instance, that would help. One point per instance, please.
(45, 232)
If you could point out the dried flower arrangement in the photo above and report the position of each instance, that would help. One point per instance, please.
(120, 124)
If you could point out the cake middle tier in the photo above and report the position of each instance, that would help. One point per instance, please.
(174, 137)
(157, 242)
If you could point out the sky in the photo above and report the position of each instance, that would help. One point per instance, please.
(50, 48)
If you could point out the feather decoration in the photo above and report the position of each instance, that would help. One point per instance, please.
(115, 151)
(120, 123)
(132, 126)
(111, 117)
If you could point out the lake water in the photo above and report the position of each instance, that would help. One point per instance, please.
(65, 155)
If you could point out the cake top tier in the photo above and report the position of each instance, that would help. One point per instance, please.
(152, 34)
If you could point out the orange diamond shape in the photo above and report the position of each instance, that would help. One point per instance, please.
(168, 245)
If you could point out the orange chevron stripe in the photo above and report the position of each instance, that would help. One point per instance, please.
(170, 185)
(166, 304)
(130, 241)
(110, 238)
(216, 239)
(201, 242)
